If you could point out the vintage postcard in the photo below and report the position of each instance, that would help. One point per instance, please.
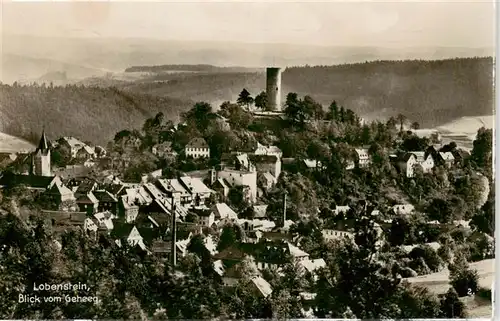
(247, 160)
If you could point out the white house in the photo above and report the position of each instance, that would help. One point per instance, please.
(268, 150)
(128, 233)
(407, 164)
(311, 266)
(425, 160)
(261, 286)
(329, 234)
(207, 218)
(198, 190)
(197, 148)
(241, 178)
(447, 158)
(403, 209)
(79, 149)
(223, 212)
(362, 157)
(342, 209)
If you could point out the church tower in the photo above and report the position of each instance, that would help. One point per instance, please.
(41, 158)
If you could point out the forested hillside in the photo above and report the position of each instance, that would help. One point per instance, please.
(92, 113)
(430, 92)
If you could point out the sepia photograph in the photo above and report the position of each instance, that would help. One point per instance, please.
(229, 160)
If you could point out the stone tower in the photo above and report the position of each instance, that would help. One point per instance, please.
(41, 158)
(273, 89)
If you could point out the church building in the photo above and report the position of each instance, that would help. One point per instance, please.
(40, 159)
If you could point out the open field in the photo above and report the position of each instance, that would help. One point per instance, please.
(11, 144)
(438, 283)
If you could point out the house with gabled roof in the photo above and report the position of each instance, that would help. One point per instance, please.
(261, 286)
(154, 191)
(129, 209)
(206, 216)
(362, 157)
(198, 190)
(240, 178)
(311, 266)
(425, 159)
(407, 164)
(105, 221)
(85, 153)
(175, 187)
(267, 150)
(266, 163)
(126, 232)
(116, 189)
(60, 193)
(32, 182)
(107, 201)
(222, 187)
(266, 180)
(197, 148)
(446, 158)
(87, 203)
(86, 186)
(90, 227)
(223, 214)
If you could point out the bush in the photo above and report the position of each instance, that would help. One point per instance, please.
(484, 293)
(465, 282)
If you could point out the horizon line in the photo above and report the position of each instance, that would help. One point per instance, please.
(389, 46)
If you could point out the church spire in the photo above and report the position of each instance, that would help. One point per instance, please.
(43, 145)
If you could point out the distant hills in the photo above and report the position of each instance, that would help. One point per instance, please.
(29, 57)
(150, 75)
(429, 92)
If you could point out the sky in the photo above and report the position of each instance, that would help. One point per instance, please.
(333, 23)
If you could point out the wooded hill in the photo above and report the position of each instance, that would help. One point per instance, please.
(430, 92)
(90, 113)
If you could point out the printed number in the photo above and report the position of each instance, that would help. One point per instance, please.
(469, 292)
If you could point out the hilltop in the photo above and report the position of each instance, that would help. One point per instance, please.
(430, 92)
(91, 113)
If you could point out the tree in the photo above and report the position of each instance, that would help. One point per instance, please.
(415, 125)
(391, 123)
(300, 111)
(484, 220)
(482, 150)
(200, 116)
(228, 237)
(464, 280)
(402, 120)
(401, 232)
(439, 209)
(333, 111)
(245, 99)
(342, 114)
(261, 100)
